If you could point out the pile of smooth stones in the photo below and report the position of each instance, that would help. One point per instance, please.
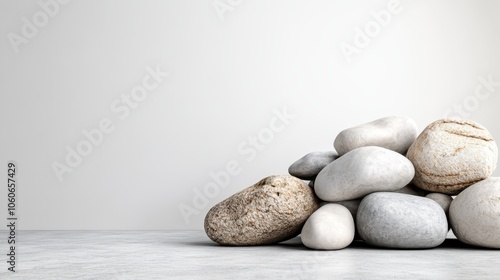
(381, 184)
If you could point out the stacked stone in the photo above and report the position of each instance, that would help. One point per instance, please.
(382, 184)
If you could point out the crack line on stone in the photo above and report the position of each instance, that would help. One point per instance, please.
(436, 175)
(463, 123)
(468, 135)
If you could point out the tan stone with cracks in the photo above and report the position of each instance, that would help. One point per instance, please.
(272, 210)
(450, 155)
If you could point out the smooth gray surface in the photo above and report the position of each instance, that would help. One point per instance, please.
(191, 255)
(396, 220)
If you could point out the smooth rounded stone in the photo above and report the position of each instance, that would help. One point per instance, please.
(442, 199)
(397, 220)
(308, 166)
(450, 155)
(475, 214)
(411, 189)
(270, 211)
(395, 133)
(331, 227)
(363, 171)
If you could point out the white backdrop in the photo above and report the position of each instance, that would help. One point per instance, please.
(144, 114)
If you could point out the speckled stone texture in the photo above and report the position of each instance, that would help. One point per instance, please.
(397, 220)
(450, 155)
(395, 133)
(271, 211)
(475, 214)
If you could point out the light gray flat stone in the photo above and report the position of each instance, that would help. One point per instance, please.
(308, 166)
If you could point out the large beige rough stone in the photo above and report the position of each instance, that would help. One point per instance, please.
(271, 211)
(450, 155)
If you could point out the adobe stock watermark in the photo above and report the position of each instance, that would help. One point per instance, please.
(121, 107)
(48, 9)
(363, 37)
(248, 149)
(483, 90)
(223, 6)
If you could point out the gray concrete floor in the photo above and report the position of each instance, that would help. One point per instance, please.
(191, 255)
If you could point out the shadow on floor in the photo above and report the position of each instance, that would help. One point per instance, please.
(296, 244)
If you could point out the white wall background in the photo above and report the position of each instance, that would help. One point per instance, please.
(227, 76)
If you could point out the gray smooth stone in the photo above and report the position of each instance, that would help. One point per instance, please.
(331, 227)
(475, 214)
(442, 199)
(397, 220)
(353, 205)
(308, 166)
(363, 171)
(395, 133)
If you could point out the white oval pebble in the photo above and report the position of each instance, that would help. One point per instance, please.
(331, 227)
